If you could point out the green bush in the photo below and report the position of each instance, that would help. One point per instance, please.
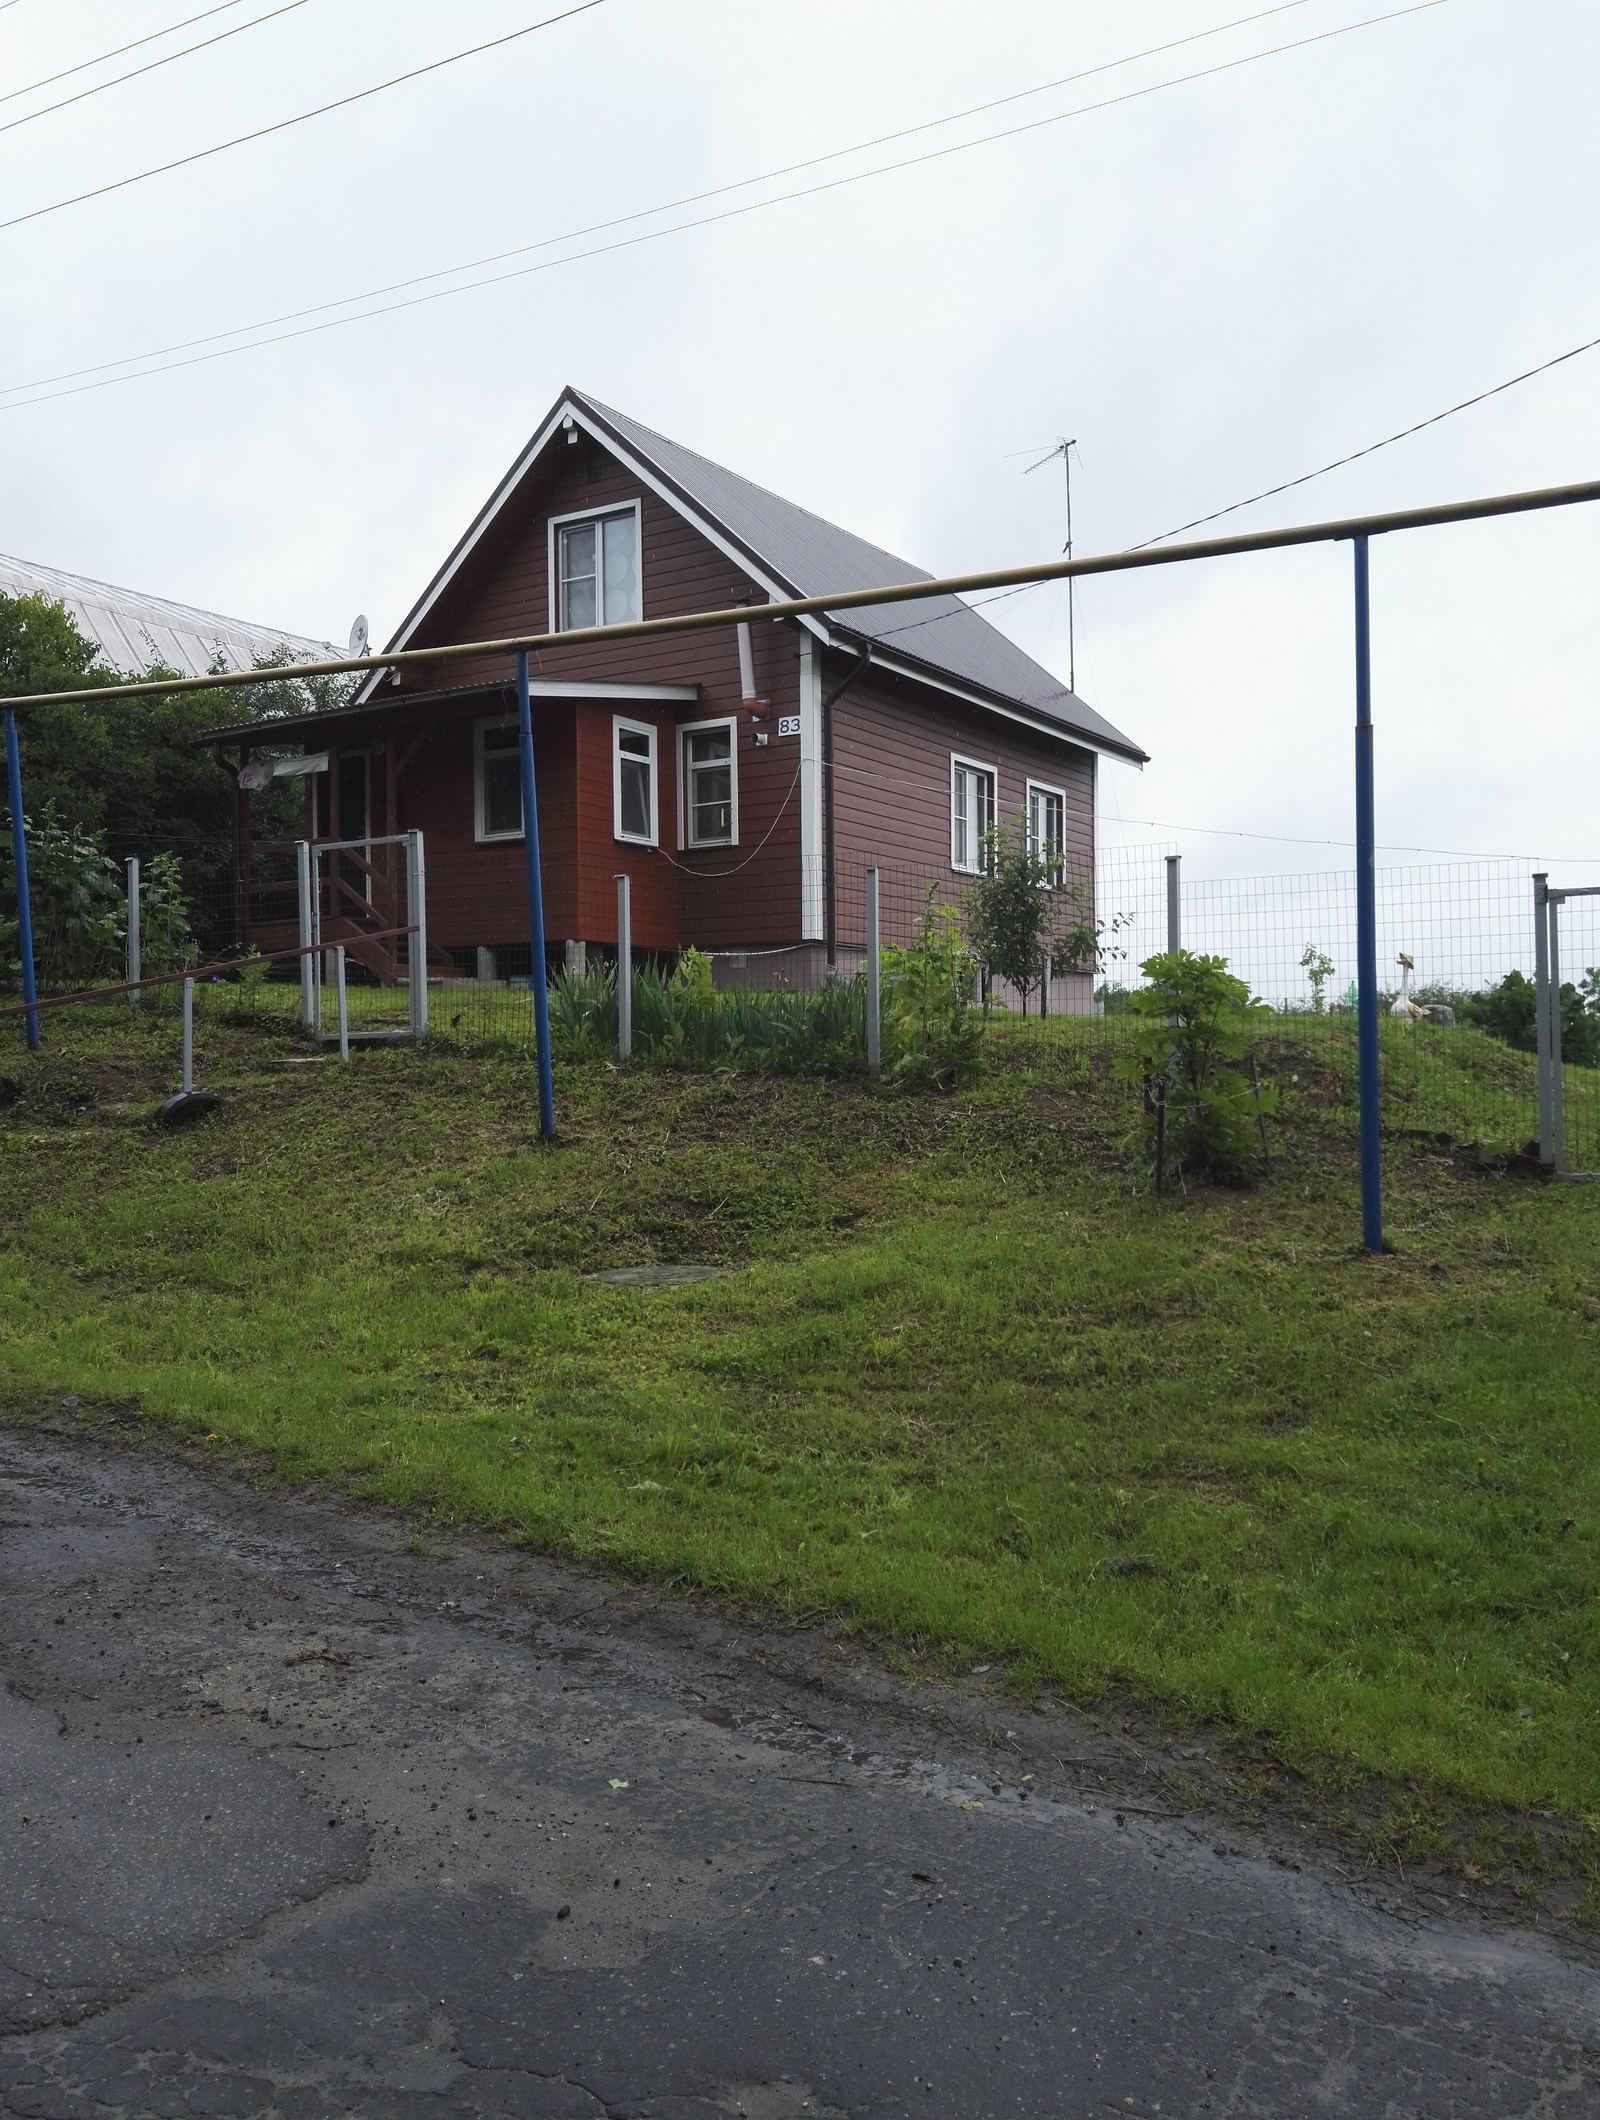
(932, 1035)
(1196, 1021)
(682, 1019)
(77, 903)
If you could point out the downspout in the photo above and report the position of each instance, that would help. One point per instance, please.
(830, 881)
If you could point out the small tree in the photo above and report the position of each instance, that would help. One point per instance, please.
(1022, 912)
(1319, 970)
(1195, 1021)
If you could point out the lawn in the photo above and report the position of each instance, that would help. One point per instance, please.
(959, 1379)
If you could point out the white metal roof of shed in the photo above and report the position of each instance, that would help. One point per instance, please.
(134, 631)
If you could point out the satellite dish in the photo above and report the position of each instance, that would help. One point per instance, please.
(358, 636)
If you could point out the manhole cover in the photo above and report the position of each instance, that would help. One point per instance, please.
(657, 1276)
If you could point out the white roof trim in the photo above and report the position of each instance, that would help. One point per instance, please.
(553, 688)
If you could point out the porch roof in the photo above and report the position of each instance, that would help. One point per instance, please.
(376, 712)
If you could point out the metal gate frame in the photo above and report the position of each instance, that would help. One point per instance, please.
(307, 854)
(1547, 904)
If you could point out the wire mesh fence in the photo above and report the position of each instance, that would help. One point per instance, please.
(1456, 955)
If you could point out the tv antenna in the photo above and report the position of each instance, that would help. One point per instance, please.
(1064, 449)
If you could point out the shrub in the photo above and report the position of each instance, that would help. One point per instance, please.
(1195, 1022)
(932, 1035)
(78, 908)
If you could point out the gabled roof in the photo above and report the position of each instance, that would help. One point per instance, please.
(796, 554)
(134, 631)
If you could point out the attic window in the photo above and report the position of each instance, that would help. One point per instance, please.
(595, 569)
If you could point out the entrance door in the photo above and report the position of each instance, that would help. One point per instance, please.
(355, 814)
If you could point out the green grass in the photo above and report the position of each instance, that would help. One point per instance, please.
(963, 1381)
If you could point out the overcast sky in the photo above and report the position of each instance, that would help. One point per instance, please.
(1214, 287)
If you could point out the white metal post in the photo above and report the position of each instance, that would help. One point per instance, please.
(1541, 1015)
(1558, 1119)
(188, 1036)
(339, 992)
(1174, 910)
(308, 969)
(624, 968)
(874, 956)
(135, 964)
(417, 947)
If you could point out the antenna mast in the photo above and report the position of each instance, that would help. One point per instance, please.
(1064, 449)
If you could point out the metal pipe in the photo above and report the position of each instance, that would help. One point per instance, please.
(188, 1036)
(1333, 532)
(874, 951)
(19, 866)
(344, 1007)
(624, 968)
(1558, 1111)
(417, 948)
(1174, 911)
(1366, 918)
(302, 875)
(1541, 1015)
(538, 976)
(135, 956)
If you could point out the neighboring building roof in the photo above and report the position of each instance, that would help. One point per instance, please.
(134, 631)
(798, 554)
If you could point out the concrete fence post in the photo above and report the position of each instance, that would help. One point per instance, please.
(1174, 908)
(1541, 1015)
(135, 954)
(188, 1036)
(874, 956)
(624, 968)
(344, 1008)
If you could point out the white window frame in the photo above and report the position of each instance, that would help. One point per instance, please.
(558, 523)
(480, 828)
(620, 724)
(1046, 787)
(686, 840)
(958, 763)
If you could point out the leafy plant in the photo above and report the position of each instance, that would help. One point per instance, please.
(1196, 1021)
(165, 943)
(1318, 970)
(75, 897)
(932, 1034)
(1509, 1012)
(1020, 912)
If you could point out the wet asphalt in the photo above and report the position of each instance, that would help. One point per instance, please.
(296, 1821)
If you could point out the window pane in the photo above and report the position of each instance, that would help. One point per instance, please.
(960, 837)
(635, 777)
(578, 575)
(635, 742)
(711, 815)
(710, 744)
(505, 738)
(622, 571)
(502, 792)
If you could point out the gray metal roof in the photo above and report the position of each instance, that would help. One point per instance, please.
(134, 631)
(810, 556)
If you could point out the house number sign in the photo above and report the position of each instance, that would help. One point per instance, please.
(788, 725)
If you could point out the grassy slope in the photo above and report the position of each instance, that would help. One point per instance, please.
(965, 1382)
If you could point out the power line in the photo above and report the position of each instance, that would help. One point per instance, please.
(1213, 831)
(340, 103)
(1355, 455)
(679, 228)
(696, 198)
(150, 67)
(171, 30)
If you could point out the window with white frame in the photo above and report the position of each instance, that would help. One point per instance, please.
(971, 815)
(595, 569)
(709, 779)
(633, 780)
(497, 780)
(1047, 828)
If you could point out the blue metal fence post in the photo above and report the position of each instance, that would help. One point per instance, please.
(19, 862)
(530, 854)
(1366, 919)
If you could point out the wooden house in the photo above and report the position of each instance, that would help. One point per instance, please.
(742, 778)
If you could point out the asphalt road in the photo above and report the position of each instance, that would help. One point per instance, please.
(295, 1821)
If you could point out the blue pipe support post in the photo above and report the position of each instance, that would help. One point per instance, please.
(530, 854)
(1366, 919)
(19, 858)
